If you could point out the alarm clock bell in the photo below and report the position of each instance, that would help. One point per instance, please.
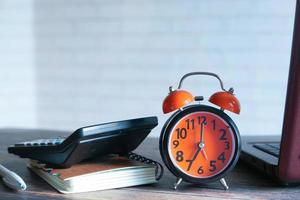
(176, 100)
(179, 98)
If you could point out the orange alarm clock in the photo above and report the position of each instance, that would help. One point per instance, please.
(200, 143)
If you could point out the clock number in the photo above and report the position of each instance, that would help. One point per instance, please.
(192, 122)
(200, 170)
(213, 166)
(227, 145)
(190, 164)
(223, 134)
(181, 133)
(213, 124)
(179, 156)
(175, 143)
(202, 120)
(222, 157)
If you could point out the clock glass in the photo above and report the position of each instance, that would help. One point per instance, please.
(201, 144)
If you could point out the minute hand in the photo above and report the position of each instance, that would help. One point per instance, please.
(201, 144)
(200, 148)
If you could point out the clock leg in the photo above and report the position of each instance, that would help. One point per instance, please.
(178, 181)
(224, 184)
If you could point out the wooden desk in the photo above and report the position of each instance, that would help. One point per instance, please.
(244, 182)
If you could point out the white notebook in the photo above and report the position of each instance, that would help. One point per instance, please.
(97, 174)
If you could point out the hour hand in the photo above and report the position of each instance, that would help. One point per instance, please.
(200, 149)
(193, 159)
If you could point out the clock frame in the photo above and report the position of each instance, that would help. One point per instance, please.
(167, 132)
(182, 103)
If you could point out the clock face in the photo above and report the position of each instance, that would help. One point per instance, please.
(201, 144)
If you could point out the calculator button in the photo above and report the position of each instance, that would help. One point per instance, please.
(19, 145)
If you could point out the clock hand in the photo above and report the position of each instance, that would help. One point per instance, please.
(201, 144)
(201, 133)
(204, 154)
(196, 154)
(193, 159)
(200, 147)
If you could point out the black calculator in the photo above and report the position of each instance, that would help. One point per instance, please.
(119, 137)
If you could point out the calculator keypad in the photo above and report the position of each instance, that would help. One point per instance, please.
(41, 142)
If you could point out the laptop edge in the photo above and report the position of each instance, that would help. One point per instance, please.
(286, 168)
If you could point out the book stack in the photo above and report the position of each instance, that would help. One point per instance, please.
(97, 174)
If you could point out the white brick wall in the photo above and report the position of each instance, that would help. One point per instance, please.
(106, 60)
(17, 72)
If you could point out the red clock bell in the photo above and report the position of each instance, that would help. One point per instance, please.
(200, 143)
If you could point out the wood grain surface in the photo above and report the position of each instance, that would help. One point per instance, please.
(244, 182)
